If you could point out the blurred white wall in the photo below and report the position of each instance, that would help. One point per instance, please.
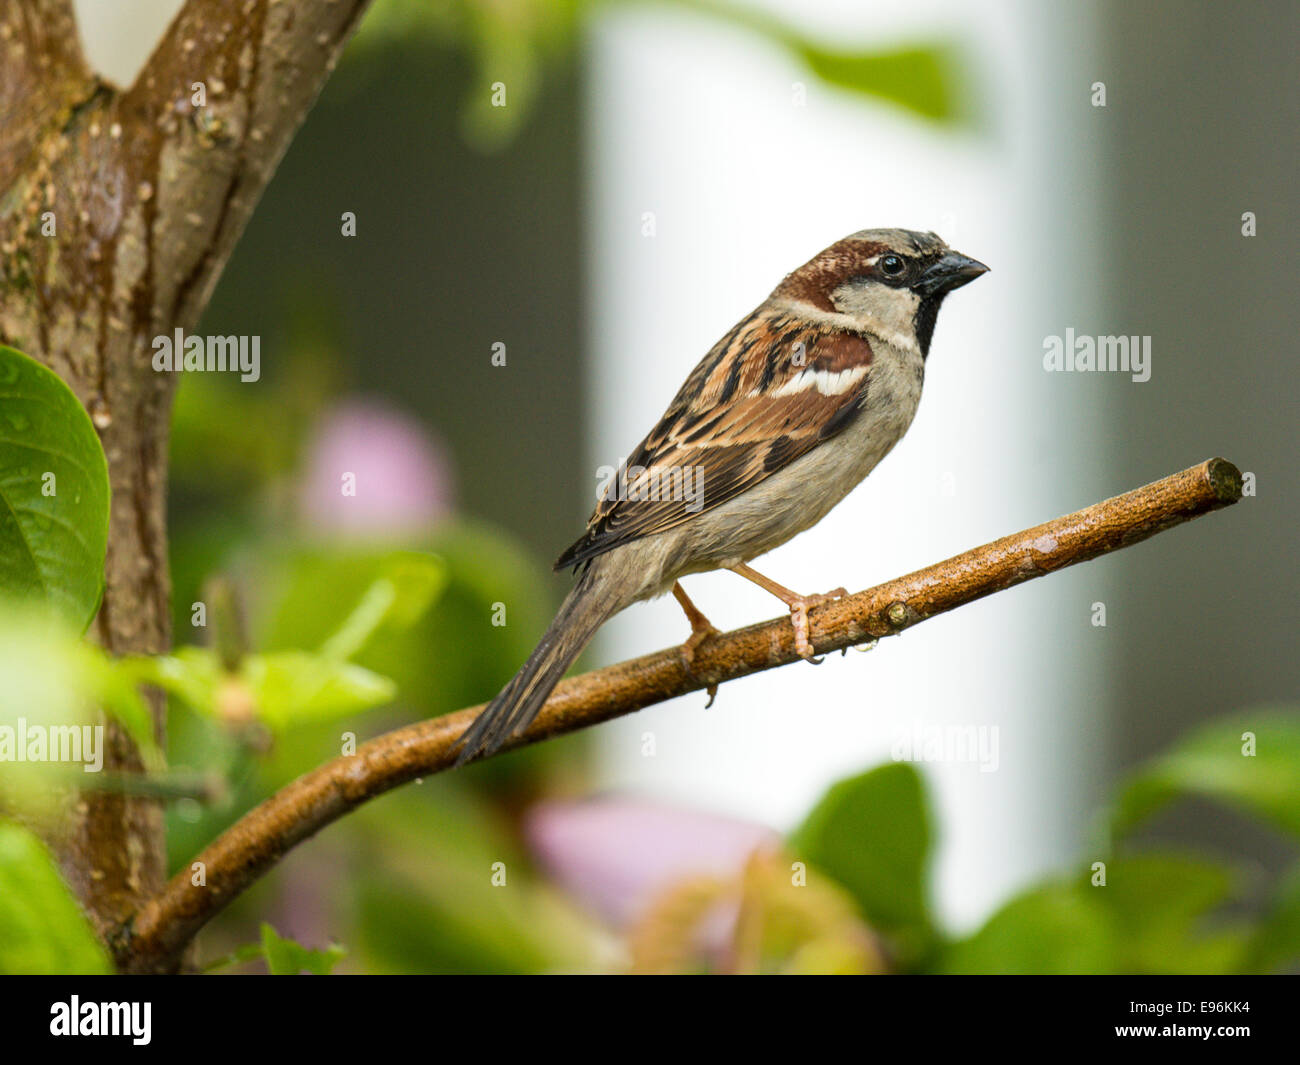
(699, 124)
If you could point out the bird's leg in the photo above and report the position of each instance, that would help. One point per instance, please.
(701, 629)
(799, 606)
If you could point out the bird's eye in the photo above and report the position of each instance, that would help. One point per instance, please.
(892, 265)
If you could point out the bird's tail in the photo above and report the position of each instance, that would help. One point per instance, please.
(593, 600)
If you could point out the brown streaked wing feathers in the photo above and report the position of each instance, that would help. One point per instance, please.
(737, 439)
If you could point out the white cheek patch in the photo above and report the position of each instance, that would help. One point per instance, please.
(827, 382)
(862, 318)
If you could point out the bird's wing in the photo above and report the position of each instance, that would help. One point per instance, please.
(770, 391)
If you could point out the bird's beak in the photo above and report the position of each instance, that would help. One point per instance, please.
(950, 272)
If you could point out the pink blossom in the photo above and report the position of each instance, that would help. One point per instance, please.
(401, 481)
(616, 854)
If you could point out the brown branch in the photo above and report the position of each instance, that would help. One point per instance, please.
(254, 844)
(261, 64)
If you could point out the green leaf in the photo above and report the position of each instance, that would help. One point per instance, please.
(42, 929)
(407, 585)
(52, 546)
(290, 688)
(1250, 761)
(53, 683)
(1159, 904)
(1054, 929)
(284, 957)
(192, 674)
(117, 692)
(1152, 915)
(510, 43)
(281, 689)
(918, 79)
(338, 597)
(309, 592)
(295, 688)
(239, 956)
(872, 834)
(1276, 942)
(925, 79)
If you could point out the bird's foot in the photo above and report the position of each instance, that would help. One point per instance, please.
(702, 630)
(697, 637)
(799, 607)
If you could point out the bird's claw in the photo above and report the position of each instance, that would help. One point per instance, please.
(699, 635)
(799, 619)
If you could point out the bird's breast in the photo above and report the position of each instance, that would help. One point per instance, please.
(893, 392)
(800, 495)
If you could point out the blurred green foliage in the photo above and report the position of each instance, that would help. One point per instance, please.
(282, 957)
(927, 80)
(287, 688)
(784, 925)
(872, 834)
(1262, 782)
(453, 890)
(1130, 909)
(514, 43)
(51, 679)
(42, 930)
(1146, 918)
(1139, 910)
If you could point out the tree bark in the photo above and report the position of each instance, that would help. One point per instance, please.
(118, 211)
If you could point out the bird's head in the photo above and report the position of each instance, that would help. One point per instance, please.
(888, 282)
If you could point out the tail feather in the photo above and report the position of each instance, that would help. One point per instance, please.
(588, 606)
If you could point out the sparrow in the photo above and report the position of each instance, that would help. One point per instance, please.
(779, 421)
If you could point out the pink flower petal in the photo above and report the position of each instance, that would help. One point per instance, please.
(403, 480)
(616, 854)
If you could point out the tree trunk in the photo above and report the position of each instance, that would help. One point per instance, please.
(118, 210)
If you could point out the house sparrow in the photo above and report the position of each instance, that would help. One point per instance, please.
(777, 424)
